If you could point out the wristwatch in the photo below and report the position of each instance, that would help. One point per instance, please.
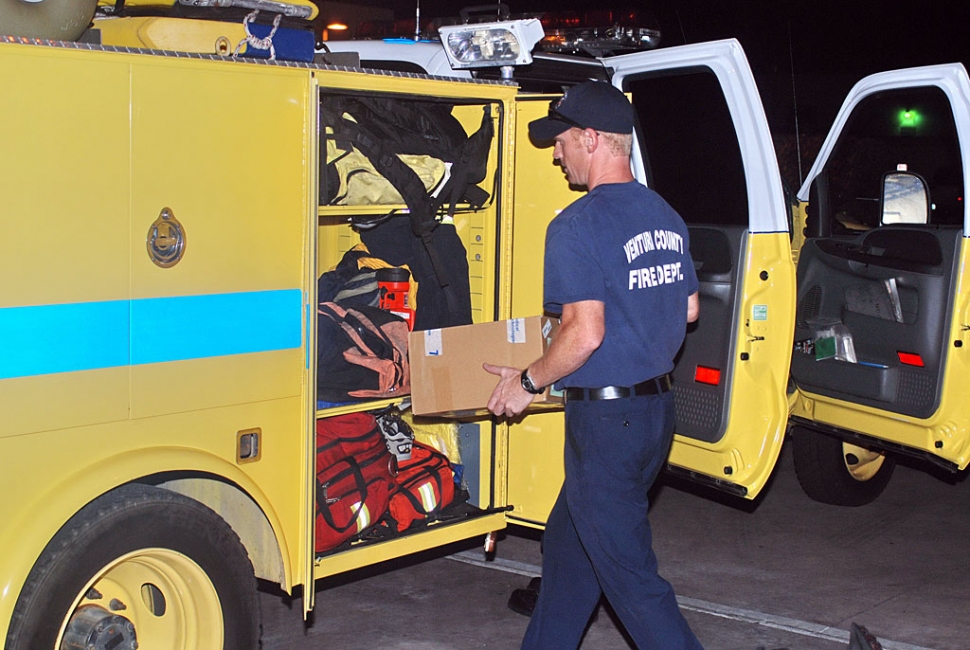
(529, 386)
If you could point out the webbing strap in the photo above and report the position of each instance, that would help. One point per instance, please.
(323, 501)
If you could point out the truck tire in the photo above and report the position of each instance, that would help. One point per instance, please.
(836, 472)
(140, 567)
(61, 20)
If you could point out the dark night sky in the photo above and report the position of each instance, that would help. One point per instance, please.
(847, 36)
(803, 52)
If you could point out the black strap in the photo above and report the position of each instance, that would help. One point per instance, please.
(431, 468)
(469, 167)
(323, 507)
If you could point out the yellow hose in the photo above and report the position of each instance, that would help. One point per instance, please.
(62, 20)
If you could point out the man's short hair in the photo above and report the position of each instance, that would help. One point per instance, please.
(620, 144)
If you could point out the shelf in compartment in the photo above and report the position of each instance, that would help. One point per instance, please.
(353, 210)
(356, 407)
(471, 522)
(339, 211)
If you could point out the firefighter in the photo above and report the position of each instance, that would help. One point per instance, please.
(618, 270)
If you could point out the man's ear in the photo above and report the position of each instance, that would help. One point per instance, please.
(590, 137)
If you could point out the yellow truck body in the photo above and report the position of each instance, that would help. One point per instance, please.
(158, 312)
(124, 364)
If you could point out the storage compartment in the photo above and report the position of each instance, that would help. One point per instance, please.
(839, 378)
(444, 236)
(383, 474)
(468, 447)
(360, 206)
(461, 197)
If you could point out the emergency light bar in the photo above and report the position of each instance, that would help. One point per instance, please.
(491, 44)
(601, 41)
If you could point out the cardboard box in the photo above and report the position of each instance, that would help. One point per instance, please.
(447, 377)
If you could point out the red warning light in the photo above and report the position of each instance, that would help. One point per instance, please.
(705, 375)
(910, 359)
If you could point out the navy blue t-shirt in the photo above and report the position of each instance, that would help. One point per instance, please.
(623, 245)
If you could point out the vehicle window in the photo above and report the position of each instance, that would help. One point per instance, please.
(910, 130)
(690, 147)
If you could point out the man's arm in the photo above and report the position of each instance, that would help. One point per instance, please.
(693, 307)
(581, 331)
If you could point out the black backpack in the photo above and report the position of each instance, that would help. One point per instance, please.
(383, 127)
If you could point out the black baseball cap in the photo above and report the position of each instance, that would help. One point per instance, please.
(589, 105)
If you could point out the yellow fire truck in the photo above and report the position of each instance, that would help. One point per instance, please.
(158, 382)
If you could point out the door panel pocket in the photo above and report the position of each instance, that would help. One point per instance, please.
(837, 378)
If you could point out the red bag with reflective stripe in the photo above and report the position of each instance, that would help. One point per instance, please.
(423, 486)
(353, 478)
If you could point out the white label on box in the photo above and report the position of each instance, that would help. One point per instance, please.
(432, 343)
(546, 328)
(516, 330)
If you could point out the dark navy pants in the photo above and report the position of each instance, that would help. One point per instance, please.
(597, 539)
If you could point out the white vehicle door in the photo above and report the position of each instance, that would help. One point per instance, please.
(894, 280)
(703, 143)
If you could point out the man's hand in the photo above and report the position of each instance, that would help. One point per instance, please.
(508, 398)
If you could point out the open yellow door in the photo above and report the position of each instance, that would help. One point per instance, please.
(535, 465)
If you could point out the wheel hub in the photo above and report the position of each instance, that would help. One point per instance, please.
(95, 628)
(861, 463)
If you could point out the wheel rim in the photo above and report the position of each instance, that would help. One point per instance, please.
(861, 463)
(167, 597)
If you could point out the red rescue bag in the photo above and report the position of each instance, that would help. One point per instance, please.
(353, 478)
(423, 486)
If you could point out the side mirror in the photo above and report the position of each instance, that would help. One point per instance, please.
(905, 199)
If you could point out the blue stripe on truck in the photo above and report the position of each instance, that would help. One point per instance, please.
(46, 339)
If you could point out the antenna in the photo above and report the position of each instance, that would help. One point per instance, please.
(417, 20)
(794, 103)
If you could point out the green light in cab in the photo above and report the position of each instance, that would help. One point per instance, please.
(909, 118)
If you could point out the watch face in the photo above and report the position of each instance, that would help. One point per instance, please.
(528, 385)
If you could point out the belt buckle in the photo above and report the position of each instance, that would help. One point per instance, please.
(612, 392)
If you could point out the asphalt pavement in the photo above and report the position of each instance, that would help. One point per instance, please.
(783, 572)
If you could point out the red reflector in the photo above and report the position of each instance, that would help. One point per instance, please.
(707, 375)
(910, 358)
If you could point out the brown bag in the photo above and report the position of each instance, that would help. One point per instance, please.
(362, 353)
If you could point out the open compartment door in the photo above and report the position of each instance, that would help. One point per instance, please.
(535, 442)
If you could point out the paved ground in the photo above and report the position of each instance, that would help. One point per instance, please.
(785, 572)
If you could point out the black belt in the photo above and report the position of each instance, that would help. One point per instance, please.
(653, 386)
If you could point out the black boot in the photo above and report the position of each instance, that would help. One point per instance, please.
(523, 601)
